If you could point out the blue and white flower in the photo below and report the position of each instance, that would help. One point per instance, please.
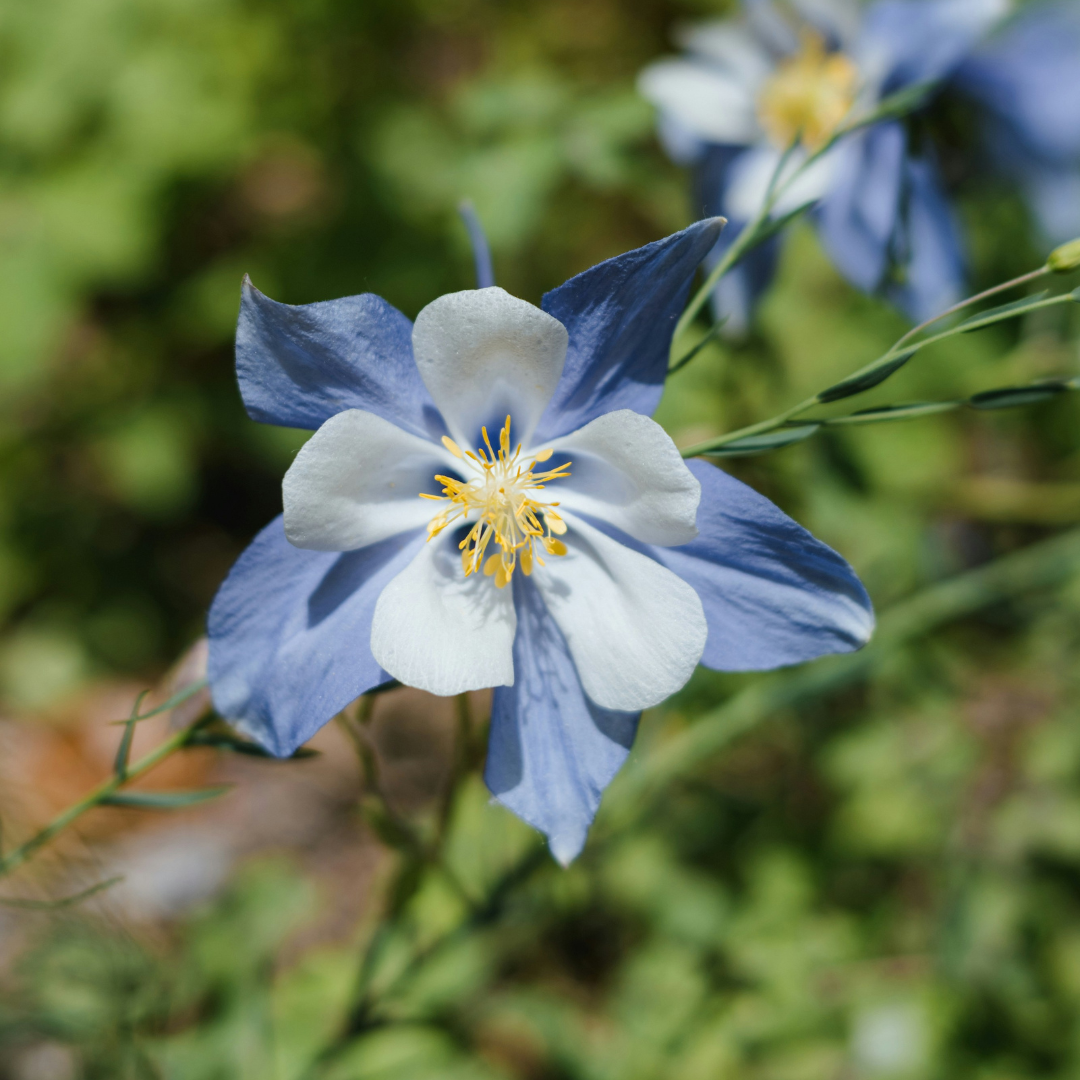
(749, 87)
(1026, 78)
(486, 503)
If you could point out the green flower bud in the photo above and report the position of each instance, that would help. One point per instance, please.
(1065, 258)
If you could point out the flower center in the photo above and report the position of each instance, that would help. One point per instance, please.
(500, 497)
(809, 95)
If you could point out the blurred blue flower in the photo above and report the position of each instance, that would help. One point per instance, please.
(749, 87)
(556, 552)
(1027, 80)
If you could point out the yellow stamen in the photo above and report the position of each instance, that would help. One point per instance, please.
(500, 501)
(809, 95)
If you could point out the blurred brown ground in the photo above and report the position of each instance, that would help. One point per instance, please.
(171, 861)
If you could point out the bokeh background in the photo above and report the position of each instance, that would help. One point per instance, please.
(879, 878)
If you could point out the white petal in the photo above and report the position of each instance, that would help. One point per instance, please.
(733, 46)
(357, 480)
(841, 18)
(626, 471)
(439, 631)
(711, 102)
(484, 354)
(751, 172)
(635, 630)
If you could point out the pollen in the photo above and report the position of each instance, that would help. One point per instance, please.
(501, 498)
(809, 95)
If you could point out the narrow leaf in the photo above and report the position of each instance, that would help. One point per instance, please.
(885, 413)
(223, 740)
(760, 444)
(177, 699)
(123, 751)
(688, 356)
(163, 800)
(1005, 311)
(1008, 397)
(868, 378)
(63, 902)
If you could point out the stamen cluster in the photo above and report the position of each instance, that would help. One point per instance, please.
(809, 95)
(501, 494)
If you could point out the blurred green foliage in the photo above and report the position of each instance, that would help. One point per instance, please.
(880, 882)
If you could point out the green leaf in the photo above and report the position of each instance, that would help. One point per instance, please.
(868, 378)
(163, 800)
(688, 356)
(123, 751)
(1008, 397)
(895, 412)
(177, 699)
(1005, 311)
(224, 740)
(760, 444)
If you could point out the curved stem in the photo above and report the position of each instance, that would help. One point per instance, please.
(780, 419)
(1034, 275)
(100, 794)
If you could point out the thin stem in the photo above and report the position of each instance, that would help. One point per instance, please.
(392, 828)
(462, 756)
(780, 419)
(741, 243)
(100, 794)
(745, 240)
(752, 232)
(1023, 279)
(759, 428)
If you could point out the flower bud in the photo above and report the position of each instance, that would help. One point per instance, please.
(1065, 258)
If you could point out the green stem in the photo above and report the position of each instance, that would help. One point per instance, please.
(751, 234)
(99, 795)
(780, 419)
(1023, 279)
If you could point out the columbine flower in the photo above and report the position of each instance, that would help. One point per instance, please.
(748, 88)
(486, 503)
(1027, 79)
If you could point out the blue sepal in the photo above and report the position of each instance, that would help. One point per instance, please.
(551, 751)
(773, 595)
(299, 365)
(620, 316)
(290, 633)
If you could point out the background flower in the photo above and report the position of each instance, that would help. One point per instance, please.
(749, 87)
(1025, 79)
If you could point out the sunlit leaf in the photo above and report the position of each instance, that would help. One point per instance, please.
(868, 378)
